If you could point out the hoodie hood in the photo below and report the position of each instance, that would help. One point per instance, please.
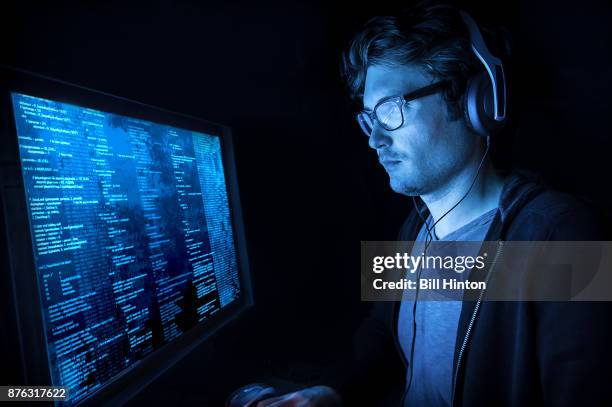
(519, 188)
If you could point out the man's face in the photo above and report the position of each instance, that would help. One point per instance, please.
(428, 149)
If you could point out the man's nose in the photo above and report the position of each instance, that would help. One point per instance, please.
(379, 138)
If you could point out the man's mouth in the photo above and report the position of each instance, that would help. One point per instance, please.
(389, 164)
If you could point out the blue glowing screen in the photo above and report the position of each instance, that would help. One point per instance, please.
(132, 235)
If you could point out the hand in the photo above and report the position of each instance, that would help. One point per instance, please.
(317, 396)
(248, 395)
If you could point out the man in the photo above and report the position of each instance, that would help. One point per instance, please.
(412, 73)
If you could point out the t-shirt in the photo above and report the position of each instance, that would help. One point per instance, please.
(437, 324)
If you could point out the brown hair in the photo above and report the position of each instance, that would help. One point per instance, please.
(430, 34)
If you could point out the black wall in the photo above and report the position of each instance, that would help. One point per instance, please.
(311, 188)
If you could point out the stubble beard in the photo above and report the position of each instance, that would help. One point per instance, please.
(416, 187)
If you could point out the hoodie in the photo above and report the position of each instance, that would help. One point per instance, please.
(506, 353)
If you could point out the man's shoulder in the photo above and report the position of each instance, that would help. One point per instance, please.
(550, 204)
(554, 215)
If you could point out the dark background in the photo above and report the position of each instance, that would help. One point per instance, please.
(311, 188)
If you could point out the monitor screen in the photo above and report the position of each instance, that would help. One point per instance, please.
(132, 235)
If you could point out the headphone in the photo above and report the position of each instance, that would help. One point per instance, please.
(485, 98)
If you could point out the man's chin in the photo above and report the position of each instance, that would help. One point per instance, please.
(404, 188)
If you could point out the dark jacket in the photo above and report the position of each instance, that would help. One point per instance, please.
(506, 353)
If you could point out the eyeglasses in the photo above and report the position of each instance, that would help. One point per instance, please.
(389, 112)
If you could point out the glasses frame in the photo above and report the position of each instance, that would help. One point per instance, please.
(400, 100)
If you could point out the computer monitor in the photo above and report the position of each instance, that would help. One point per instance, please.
(127, 247)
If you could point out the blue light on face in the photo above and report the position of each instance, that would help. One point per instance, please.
(132, 235)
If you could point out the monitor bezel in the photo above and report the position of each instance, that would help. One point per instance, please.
(24, 279)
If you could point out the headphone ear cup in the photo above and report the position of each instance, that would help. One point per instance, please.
(478, 106)
(468, 106)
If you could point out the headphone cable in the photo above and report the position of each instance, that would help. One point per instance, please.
(428, 240)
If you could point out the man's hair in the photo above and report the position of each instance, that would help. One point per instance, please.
(430, 35)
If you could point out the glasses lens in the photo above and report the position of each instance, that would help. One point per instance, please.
(389, 114)
(365, 122)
